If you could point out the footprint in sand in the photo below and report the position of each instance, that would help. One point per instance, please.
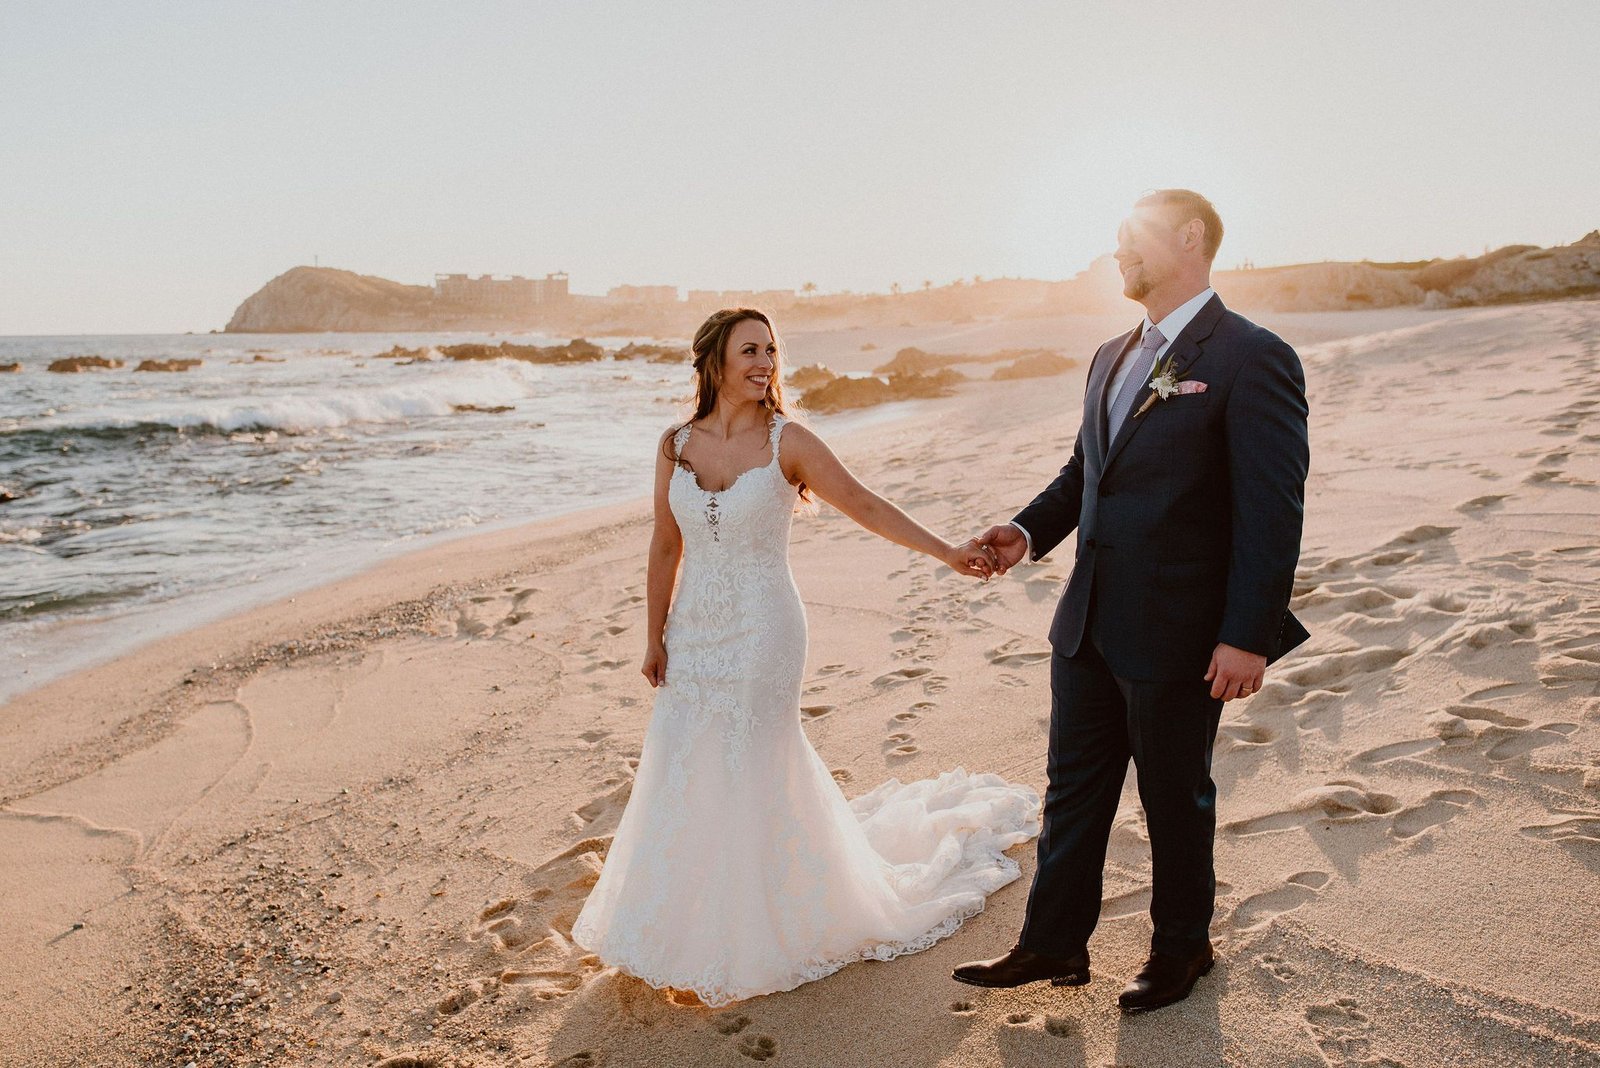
(816, 711)
(1514, 742)
(1419, 536)
(1573, 665)
(895, 678)
(1437, 808)
(1258, 910)
(904, 717)
(1337, 802)
(1343, 1035)
(610, 804)
(1011, 654)
(841, 775)
(1485, 715)
(1362, 600)
(1579, 828)
(1321, 672)
(1245, 736)
(544, 984)
(1396, 750)
(1478, 504)
(1019, 1019)
(759, 1047)
(1277, 967)
(900, 744)
(963, 1008)
(732, 1025)
(459, 1000)
(581, 1059)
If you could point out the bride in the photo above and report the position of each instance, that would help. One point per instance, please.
(738, 867)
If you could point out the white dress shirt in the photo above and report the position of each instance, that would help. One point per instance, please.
(1175, 322)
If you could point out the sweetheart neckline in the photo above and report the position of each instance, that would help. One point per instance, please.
(694, 479)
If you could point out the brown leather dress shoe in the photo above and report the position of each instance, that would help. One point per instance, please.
(1164, 979)
(1021, 966)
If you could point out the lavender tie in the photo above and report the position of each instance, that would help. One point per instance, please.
(1134, 385)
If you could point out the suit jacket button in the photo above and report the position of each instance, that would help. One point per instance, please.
(1089, 544)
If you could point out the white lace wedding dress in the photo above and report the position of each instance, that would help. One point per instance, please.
(738, 867)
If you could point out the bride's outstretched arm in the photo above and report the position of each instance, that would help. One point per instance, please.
(807, 458)
(666, 549)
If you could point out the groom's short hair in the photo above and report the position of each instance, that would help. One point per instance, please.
(1190, 205)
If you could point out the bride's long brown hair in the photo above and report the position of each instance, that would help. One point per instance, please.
(710, 347)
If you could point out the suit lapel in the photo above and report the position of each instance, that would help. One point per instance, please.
(1184, 350)
(1094, 393)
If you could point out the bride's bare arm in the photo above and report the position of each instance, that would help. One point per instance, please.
(666, 549)
(807, 458)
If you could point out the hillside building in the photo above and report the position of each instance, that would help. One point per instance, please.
(488, 293)
(643, 294)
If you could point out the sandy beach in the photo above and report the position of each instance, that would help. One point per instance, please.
(354, 827)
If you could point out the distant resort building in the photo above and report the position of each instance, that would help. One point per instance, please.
(743, 298)
(644, 294)
(488, 293)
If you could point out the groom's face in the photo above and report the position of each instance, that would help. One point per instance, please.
(1149, 251)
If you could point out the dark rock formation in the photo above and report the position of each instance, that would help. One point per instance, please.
(811, 376)
(914, 361)
(841, 394)
(654, 353)
(74, 364)
(167, 365)
(1035, 365)
(575, 351)
(8, 368)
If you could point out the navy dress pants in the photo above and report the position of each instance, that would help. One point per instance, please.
(1098, 722)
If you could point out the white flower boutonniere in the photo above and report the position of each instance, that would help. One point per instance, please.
(1164, 383)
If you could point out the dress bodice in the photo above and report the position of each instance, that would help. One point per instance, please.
(749, 519)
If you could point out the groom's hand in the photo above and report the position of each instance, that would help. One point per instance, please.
(1235, 672)
(1006, 544)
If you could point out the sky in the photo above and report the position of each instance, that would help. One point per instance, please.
(160, 161)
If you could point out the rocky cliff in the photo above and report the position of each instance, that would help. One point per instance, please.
(1516, 273)
(323, 298)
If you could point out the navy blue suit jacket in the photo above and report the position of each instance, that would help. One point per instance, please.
(1189, 522)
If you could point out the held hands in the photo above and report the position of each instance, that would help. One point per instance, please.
(654, 668)
(969, 558)
(1006, 546)
(1234, 672)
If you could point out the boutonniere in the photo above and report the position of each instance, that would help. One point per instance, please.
(1164, 383)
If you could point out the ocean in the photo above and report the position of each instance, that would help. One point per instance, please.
(154, 501)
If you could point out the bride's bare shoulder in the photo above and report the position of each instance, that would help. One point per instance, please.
(795, 432)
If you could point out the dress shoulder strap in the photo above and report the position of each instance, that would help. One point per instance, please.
(778, 419)
(678, 439)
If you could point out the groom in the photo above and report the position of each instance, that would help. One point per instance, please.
(1186, 486)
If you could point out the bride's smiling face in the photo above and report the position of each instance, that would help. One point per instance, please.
(750, 361)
